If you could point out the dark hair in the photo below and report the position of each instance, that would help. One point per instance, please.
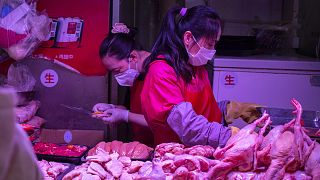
(119, 45)
(202, 21)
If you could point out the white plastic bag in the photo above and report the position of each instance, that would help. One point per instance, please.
(23, 28)
(20, 77)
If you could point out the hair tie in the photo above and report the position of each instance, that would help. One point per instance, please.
(183, 11)
(120, 28)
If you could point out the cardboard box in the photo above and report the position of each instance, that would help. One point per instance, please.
(81, 137)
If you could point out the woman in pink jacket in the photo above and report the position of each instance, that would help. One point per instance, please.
(177, 97)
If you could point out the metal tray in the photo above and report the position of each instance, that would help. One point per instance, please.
(65, 159)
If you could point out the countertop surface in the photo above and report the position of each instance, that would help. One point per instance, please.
(289, 62)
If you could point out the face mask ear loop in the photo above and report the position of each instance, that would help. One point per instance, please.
(196, 41)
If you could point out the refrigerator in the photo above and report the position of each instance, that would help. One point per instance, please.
(271, 81)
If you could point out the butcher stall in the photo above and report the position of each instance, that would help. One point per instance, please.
(70, 144)
(58, 81)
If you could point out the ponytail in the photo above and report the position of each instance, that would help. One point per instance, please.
(202, 21)
(171, 46)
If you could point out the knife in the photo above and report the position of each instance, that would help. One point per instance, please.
(81, 109)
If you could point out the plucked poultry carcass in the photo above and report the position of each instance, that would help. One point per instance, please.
(298, 175)
(239, 152)
(288, 152)
(312, 166)
(264, 159)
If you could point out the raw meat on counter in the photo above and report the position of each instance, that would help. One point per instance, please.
(59, 149)
(177, 149)
(133, 150)
(27, 128)
(285, 152)
(51, 170)
(104, 165)
(25, 113)
(36, 122)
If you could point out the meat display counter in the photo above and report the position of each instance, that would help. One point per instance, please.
(310, 119)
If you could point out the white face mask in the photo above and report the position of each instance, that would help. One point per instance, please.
(202, 56)
(127, 77)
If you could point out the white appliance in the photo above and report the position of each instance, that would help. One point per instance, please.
(268, 80)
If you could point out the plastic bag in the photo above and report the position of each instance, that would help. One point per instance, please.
(20, 77)
(22, 27)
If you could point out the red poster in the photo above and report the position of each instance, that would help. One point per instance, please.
(77, 29)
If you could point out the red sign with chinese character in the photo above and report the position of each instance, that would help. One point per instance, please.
(49, 78)
(229, 80)
(82, 25)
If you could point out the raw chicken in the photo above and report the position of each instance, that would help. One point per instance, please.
(126, 161)
(93, 150)
(239, 150)
(134, 150)
(135, 166)
(97, 169)
(183, 173)
(168, 166)
(155, 173)
(188, 161)
(123, 149)
(130, 148)
(174, 148)
(236, 175)
(141, 151)
(288, 152)
(126, 176)
(200, 150)
(204, 163)
(264, 156)
(312, 166)
(51, 170)
(298, 175)
(146, 169)
(86, 176)
(25, 113)
(107, 147)
(115, 146)
(282, 151)
(115, 167)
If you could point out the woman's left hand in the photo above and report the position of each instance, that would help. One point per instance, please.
(114, 115)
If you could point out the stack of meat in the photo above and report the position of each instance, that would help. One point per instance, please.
(103, 165)
(59, 149)
(51, 170)
(286, 152)
(178, 149)
(29, 122)
(169, 164)
(133, 150)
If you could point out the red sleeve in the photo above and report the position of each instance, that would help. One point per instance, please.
(162, 90)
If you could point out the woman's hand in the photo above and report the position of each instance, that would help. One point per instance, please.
(114, 115)
(101, 107)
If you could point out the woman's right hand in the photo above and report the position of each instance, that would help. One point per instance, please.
(101, 107)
